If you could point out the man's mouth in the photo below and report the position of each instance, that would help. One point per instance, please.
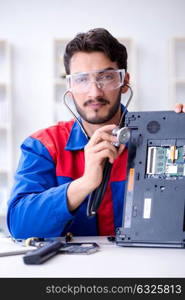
(96, 104)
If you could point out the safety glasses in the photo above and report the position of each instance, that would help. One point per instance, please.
(108, 80)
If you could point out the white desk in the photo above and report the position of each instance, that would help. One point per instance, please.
(110, 261)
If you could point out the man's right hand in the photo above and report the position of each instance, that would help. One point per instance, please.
(96, 151)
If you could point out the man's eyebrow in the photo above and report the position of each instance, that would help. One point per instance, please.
(98, 71)
(106, 69)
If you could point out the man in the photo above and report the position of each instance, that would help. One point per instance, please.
(60, 166)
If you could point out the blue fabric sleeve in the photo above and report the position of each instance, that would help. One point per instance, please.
(37, 205)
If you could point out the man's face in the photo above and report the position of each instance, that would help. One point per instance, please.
(95, 105)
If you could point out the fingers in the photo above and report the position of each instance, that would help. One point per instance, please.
(179, 107)
(106, 153)
(111, 152)
(96, 151)
(101, 145)
(103, 133)
(121, 149)
(104, 145)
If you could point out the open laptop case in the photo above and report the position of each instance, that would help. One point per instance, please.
(154, 204)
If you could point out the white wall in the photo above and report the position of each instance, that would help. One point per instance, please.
(31, 26)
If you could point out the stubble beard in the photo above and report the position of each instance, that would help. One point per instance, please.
(100, 120)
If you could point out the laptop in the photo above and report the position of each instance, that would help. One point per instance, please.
(154, 204)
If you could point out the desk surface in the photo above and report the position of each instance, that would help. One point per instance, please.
(110, 261)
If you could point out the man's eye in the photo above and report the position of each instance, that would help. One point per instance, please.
(79, 80)
(109, 76)
(106, 77)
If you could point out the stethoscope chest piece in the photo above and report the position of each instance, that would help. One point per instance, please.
(122, 135)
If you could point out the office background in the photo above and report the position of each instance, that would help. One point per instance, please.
(31, 27)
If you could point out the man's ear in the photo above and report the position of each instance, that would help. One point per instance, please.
(124, 88)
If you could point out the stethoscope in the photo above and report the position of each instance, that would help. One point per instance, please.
(123, 135)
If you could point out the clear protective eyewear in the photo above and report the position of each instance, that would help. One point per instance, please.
(110, 79)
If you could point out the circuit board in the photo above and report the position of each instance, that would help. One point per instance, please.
(166, 162)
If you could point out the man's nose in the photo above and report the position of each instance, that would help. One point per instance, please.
(95, 90)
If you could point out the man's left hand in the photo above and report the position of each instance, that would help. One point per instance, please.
(180, 108)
